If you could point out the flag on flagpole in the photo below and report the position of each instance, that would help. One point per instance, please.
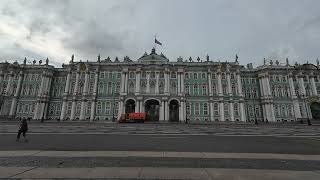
(157, 42)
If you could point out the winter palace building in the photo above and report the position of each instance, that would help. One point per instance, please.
(197, 90)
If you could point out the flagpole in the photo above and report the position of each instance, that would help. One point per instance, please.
(155, 44)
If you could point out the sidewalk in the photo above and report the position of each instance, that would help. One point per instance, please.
(60, 169)
(138, 173)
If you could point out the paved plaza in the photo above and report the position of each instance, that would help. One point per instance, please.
(160, 151)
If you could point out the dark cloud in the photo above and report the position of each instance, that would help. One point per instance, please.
(253, 29)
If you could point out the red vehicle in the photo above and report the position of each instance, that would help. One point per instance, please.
(133, 117)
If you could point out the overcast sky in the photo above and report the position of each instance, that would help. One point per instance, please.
(253, 29)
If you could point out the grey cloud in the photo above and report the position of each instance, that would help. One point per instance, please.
(253, 29)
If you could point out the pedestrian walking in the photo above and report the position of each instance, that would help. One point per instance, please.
(23, 129)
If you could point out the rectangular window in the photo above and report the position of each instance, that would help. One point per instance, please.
(203, 75)
(101, 75)
(173, 75)
(197, 109)
(69, 108)
(205, 109)
(188, 108)
(108, 107)
(99, 107)
(116, 108)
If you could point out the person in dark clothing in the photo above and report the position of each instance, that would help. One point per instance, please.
(23, 129)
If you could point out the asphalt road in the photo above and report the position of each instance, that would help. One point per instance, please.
(186, 143)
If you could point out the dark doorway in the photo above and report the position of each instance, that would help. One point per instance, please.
(152, 108)
(174, 111)
(130, 106)
(315, 110)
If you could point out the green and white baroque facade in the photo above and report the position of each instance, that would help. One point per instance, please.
(199, 90)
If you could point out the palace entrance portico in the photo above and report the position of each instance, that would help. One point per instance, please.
(152, 107)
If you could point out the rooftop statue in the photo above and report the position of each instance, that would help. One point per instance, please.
(47, 61)
(207, 58)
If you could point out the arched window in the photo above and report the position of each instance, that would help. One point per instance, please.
(187, 89)
(131, 87)
(195, 75)
(100, 88)
(224, 89)
(233, 89)
(214, 89)
(195, 89)
(161, 87)
(204, 89)
(152, 87)
(143, 86)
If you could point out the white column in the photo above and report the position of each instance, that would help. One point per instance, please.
(85, 92)
(231, 111)
(166, 107)
(38, 107)
(211, 112)
(93, 103)
(16, 95)
(157, 83)
(75, 92)
(161, 115)
(242, 112)
(9, 85)
(239, 85)
(219, 84)
(66, 92)
(138, 74)
(120, 108)
(126, 82)
(148, 82)
(221, 111)
(182, 83)
(302, 87)
(141, 106)
(122, 86)
(179, 82)
(166, 82)
(229, 84)
(136, 108)
(313, 86)
(93, 110)
(210, 83)
(180, 112)
(183, 113)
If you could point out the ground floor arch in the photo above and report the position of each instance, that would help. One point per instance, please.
(174, 111)
(130, 106)
(152, 107)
